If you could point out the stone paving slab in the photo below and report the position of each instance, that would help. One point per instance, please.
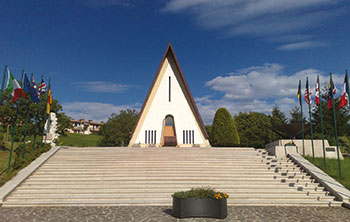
(162, 214)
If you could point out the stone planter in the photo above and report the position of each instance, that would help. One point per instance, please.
(191, 207)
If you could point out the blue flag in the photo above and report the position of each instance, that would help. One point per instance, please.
(29, 89)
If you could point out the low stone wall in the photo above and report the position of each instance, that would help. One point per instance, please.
(280, 148)
(333, 186)
(23, 174)
(281, 151)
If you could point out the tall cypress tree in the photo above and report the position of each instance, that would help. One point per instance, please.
(224, 130)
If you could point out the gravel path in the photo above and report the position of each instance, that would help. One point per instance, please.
(158, 214)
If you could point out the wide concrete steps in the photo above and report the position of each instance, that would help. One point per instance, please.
(148, 176)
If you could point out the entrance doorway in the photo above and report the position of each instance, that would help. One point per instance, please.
(169, 133)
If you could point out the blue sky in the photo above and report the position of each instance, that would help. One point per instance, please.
(245, 55)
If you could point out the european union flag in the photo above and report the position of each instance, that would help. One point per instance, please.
(29, 89)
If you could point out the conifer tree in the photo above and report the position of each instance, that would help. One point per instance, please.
(224, 131)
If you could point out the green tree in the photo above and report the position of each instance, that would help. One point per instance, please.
(36, 115)
(342, 118)
(278, 117)
(208, 128)
(117, 130)
(64, 123)
(224, 130)
(253, 129)
(295, 115)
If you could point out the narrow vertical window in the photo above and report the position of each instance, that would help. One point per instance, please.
(145, 136)
(155, 136)
(189, 137)
(151, 137)
(183, 136)
(169, 88)
(192, 136)
(186, 136)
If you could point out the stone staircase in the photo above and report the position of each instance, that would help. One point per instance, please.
(148, 176)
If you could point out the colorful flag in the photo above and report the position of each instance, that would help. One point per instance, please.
(42, 87)
(331, 92)
(299, 92)
(317, 93)
(29, 89)
(49, 102)
(307, 95)
(13, 87)
(344, 99)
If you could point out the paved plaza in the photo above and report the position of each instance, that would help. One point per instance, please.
(158, 214)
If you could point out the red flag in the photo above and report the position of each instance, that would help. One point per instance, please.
(317, 93)
(345, 96)
(307, 94)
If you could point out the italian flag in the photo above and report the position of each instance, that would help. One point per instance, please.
(13, 88)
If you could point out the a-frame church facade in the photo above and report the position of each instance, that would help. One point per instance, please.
(169, 115)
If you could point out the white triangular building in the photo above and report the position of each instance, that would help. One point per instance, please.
(169, 115)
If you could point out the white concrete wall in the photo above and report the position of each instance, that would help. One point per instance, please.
(278, 148)
(178, 107)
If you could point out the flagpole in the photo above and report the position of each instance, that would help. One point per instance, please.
(347, 84)
(302, 118)
(310, 117)
(13, 137)
(312, 139)
(335, 129)
(22, 78)
(320, 105)
(45, 116)
(25, 125)
(36, 119)
(3, 83)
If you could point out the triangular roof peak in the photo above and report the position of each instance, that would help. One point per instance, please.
(170, 55)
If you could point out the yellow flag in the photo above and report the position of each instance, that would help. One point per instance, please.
(49, 101)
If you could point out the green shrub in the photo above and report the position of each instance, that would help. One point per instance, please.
(224, 131)
(200, 193)
(30, 154)
(344, 143)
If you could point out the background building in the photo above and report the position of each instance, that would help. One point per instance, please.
(85, 127)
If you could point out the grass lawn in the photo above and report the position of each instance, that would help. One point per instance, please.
(332, 169)
(4, 158)
(79, 140)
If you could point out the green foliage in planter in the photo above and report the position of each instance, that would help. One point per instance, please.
(200, 193)
(224, 131)
(29, 154)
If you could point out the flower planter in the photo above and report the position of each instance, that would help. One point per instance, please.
(207, 207)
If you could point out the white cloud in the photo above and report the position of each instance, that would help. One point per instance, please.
(102, 86)
(291, 38)
(258, 89)
(94, 110)
(208, 107)
(302, 45)
(268, 18)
